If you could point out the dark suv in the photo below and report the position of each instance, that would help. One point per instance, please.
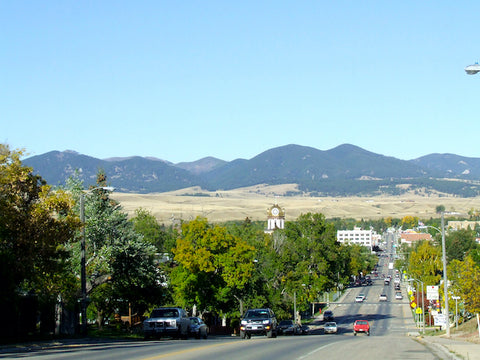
(258, 322)
(328, 315)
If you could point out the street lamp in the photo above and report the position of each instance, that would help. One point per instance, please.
(456, 298)
(444, 255)
(83, 273)
(472, 69)
(445, 281)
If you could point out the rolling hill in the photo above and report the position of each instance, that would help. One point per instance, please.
(341, 171)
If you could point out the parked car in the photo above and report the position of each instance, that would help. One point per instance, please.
(198, 328)
(328, 315)
(361, 326)
(288, 327)
(330, 327)
(167, 321)
(305, 329)
(258, 322)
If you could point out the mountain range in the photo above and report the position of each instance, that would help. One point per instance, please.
(342, 171)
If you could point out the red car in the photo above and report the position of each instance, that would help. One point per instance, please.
(361, 326)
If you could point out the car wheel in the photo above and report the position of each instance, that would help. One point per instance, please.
(243, 334)
(270, 334)
(354, 333)
(368, 333)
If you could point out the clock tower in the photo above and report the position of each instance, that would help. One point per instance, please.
(275, 218)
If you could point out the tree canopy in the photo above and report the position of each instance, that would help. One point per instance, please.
(35, 225)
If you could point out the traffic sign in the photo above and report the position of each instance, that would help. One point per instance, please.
(440, 320)
(418, 311)
(432, 292)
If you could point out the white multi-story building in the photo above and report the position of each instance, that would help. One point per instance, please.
(358, 236)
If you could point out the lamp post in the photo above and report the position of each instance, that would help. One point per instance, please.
(456, 298)
(444, 253)
(445, 281)
(83, 272)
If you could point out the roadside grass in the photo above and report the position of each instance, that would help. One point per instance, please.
(467, 329)
(116, 332)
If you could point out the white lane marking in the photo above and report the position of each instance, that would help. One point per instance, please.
(316, 350)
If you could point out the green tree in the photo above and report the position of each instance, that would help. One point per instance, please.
(439, 209)
(35, 224)
(459, 244)
(146, 224)
(120, 264)
(213, 266)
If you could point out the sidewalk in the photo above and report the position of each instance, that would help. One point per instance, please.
(451, 348)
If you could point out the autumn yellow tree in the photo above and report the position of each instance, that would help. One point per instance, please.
(425, 263)
(465, 283)
(409, 222)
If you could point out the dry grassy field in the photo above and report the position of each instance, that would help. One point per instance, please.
(252, 202)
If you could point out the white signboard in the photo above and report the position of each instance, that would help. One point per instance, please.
(440, 320)
(432, 292)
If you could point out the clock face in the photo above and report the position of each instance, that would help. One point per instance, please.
(275, 211)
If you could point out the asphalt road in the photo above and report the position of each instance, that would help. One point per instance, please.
(390, 323)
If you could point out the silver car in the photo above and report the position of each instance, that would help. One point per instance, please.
(198, 328)
(330, 327)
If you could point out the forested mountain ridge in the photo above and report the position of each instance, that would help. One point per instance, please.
(341, 171)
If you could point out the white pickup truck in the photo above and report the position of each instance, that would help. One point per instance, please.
(167, 321)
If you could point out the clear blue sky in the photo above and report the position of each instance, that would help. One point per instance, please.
(182, 80)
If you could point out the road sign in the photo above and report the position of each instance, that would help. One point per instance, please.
(440, 320)
(413, 305)
(418, 311)
(432, 292)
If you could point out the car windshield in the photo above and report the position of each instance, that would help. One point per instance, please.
(286, 322)
(362, 322)
(164, 313)
(331, 324)
(256, 314)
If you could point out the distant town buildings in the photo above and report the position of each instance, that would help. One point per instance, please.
(409, 237)
(368, 238)
(463, 225)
